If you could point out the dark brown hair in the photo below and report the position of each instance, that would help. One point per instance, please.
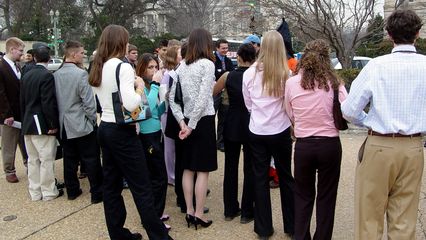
(403, 26)
(143, 65)
(170, 59)
(183, 49)
(220, 41)
(247, 52)
(316, 67)
(199, 46)
(71, 46)
(112, 44)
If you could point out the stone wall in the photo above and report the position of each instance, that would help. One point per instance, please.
(419, 6)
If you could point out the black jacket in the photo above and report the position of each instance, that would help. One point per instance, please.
(9, 93)
(218, 65)
(38, 99)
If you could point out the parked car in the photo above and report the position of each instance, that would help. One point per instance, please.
(234, 62)
(357, 62)
(54, 64)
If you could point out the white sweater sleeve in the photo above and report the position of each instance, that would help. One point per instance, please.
(131, 100)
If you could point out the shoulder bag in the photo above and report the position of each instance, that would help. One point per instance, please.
(123, 116)
(339, 122)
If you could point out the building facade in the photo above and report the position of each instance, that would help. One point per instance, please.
(419, 6)
(230, 19)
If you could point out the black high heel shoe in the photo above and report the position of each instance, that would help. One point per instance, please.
(190, 220)
(202, 223)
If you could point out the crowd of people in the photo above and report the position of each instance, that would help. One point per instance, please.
(262, 105)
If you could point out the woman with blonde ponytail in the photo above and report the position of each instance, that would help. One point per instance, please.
(263, 91)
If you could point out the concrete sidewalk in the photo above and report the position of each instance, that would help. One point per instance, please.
(79, 219)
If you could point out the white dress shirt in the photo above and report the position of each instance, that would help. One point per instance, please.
(13, 66)
(395, 87)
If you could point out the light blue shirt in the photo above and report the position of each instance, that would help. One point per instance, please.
(395, 87)
(152, 124)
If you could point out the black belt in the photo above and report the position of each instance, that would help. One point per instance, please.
(373, 133)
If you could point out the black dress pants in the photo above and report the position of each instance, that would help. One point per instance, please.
(314, 155)
(230, 181)
(263, 147)
(221, 111)
(122, 155)
(86, 150)
(154, 154)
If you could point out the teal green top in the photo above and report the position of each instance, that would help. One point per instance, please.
(153, 124)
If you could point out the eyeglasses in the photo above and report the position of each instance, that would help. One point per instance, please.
(151, 67)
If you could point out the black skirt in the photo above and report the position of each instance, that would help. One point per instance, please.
(199, 149)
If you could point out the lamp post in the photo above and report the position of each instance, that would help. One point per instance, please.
(54, 19)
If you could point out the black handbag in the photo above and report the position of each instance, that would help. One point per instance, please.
(339, 122)
(172, 126)
(178, 93)
(122, 116)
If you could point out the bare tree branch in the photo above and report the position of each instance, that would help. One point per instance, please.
(341, 22)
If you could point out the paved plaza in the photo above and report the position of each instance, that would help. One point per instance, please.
(79, 219)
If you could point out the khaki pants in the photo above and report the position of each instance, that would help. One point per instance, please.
(388, 182)
(41, 156)
(9, 142)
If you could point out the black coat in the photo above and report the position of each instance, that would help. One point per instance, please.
(9, 93)
(38, 98)
(218, 66)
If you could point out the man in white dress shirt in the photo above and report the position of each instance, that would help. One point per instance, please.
(388, 175)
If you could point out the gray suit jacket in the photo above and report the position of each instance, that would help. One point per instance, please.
(76, 103)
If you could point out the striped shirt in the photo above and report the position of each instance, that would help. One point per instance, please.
(395, 87)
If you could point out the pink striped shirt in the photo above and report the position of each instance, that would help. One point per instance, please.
(267, 114)
(311, 111)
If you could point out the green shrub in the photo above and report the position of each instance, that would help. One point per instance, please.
(348, 75)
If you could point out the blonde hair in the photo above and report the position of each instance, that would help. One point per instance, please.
(170, 59)
(13, 42)
(272, 61)
(174, 42)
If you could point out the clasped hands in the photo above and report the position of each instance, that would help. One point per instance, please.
(185, 131)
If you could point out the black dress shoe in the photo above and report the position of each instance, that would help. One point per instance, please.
(74, 196)
(61, 192)
(136, 236)
(199, 221)
(95, 200)
(245, 220)
(231, 217)
(59, 185)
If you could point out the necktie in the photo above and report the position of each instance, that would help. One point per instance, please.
(223, 65)
(18, 71)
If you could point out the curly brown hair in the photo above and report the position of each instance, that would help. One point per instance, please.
(315, 66)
